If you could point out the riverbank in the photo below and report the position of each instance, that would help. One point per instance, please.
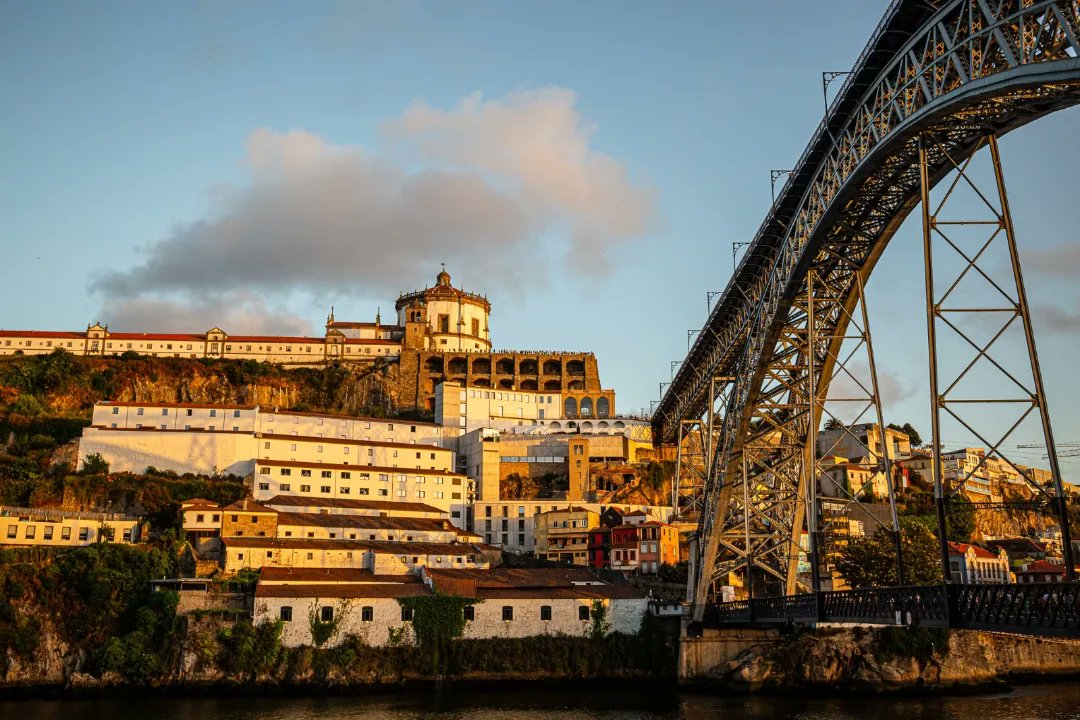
(837, 661)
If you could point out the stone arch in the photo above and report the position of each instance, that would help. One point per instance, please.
(482, 382)
(586, 407)
(528, 385)
(481, 366)
(603, 407)
(570, 407)
(527, 367)
(552, 367)
(506, 384)
(575, 367)
(586, 425)
(457, 366)
(552, 385)
(555, 425)
(576, 385)
(504, 366)
(602, 425)
(619, 424)
(434, 364)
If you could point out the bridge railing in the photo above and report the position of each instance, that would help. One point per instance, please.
(1034, 608)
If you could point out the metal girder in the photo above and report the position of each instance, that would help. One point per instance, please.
(1020, 392)
(966, 69)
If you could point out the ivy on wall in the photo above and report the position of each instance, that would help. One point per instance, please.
(437, 619)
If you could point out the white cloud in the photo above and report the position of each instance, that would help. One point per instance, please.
(236, 313)
(489, 187)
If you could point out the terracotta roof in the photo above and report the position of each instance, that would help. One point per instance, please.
(378, 546)
(962, 548)
(342, 416)
(276, 338)
(156, 336)
(203, 406)
(337, 575)
(366, 522)
(636, 513)
(199, 504)
(66, 335)
(362, 468)
(344, 441)
(353, 590)
(581, 592)
(1042, 567)
(250, 506)
(346, 504)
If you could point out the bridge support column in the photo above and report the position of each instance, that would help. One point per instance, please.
(1019, 391)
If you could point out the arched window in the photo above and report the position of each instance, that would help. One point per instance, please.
(586, 407)
(603, 407)
(570, 407)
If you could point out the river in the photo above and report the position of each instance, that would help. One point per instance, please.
(1033, 702)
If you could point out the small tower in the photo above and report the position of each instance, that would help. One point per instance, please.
(330, 318)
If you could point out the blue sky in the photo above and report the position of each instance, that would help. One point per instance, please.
(130, 129)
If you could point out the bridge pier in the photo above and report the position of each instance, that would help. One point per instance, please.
(710, 655)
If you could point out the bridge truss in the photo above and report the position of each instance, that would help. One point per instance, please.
(936, 81)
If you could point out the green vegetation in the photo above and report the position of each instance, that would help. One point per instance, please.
(247, 651)
(97, 598)
(920, 643)
(437, 621)
(869, 562)
(910, 431)
(322, 631)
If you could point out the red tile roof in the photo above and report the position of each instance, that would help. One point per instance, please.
(200, 406)
(962, 548)
(345, 504)
(352, 590)
(346, 441)
(363, 468)
(43, 334)
(337, 575)
(250, 506)
(1042, 567)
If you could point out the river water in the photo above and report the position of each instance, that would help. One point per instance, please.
(1034, 702)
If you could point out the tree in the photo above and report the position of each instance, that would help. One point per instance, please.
(94, 464)
(869, 562)
(516, 486)
(833, 424)
(910, 431)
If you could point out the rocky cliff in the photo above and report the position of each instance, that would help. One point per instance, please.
(886, 660)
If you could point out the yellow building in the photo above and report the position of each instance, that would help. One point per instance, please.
(49, 527)
(563, 535)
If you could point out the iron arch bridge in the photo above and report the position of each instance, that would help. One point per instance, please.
(937, 80)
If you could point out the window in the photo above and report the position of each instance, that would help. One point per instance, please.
(213, 413)
(325, 473)
(324, 488)
(470, 613)
(236, 413)
(65, 534)
(346, 475)
(507, 613)
(139, 411)
(13, 531)
(367, 613)
(326, 613)
(286, 613)
(164, 411)
(264, 471)
(305, 488)
(545, 612)
(583, 613)
(284, 487)
(264, 486)
(84, 534)
(406, 614)
(286, 471)
(305, 473)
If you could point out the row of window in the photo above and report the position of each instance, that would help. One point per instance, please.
(48, 532)
(367, 613)
(402, 492)
(187, 412)
(367, 425)
(515, 397)
(347, 475)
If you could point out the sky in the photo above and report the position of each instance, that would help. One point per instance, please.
(587, 166)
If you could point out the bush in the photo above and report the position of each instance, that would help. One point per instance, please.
(94, 464)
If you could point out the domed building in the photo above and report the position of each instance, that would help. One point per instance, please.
(444, 318)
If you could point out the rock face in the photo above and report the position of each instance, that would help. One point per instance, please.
(884, 660)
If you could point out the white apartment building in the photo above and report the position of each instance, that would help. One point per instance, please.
(49, 527)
